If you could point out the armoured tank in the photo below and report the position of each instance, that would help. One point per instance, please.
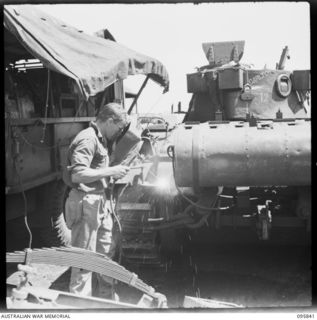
(239, 161)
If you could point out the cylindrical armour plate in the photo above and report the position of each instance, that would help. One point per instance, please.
(235, 154)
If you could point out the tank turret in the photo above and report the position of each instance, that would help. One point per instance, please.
(229, 90)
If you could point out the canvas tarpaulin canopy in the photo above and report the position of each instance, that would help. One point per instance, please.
(93, 62)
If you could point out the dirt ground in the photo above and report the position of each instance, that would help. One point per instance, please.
(253, 275)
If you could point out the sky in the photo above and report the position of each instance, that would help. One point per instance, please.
(174, 33)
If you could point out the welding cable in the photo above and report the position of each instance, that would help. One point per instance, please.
(25, 204)
(177, 220)
(113, 211)
(180, 216)
(198, 224)
(200, 206)
(203, 219)
(180, 220)
(123, 189)
(170, 152)
(112, 207)
(183, 219)
(111, 197)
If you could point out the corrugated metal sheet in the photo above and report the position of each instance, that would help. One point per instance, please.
(93, 62)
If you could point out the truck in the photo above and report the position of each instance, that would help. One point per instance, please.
(56, 78)
(238, 166)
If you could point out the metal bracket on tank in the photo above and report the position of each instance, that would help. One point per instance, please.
(246, 94)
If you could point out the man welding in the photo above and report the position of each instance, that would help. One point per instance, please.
(86, 213)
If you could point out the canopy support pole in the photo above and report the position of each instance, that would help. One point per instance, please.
(138, 94)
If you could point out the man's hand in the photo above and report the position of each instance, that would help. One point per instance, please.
(119, 171)
(87, 175)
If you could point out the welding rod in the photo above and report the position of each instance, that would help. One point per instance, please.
(138, 167)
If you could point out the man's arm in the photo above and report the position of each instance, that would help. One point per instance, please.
(86, 175)
(81, 159)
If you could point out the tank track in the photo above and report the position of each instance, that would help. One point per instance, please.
(139, 244)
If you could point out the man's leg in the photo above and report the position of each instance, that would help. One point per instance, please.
(84, 232)
(104, 284)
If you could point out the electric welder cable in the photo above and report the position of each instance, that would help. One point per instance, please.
(170, 152)
(113, 211)
(25, 205)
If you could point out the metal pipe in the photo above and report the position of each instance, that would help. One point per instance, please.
(235, 154)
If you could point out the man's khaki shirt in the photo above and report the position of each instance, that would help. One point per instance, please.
(88, 149)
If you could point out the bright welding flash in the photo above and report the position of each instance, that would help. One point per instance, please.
(162, 183)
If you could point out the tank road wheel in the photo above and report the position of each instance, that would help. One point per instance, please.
(55, 233)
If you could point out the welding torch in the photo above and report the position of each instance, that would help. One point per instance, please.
(112, 182)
